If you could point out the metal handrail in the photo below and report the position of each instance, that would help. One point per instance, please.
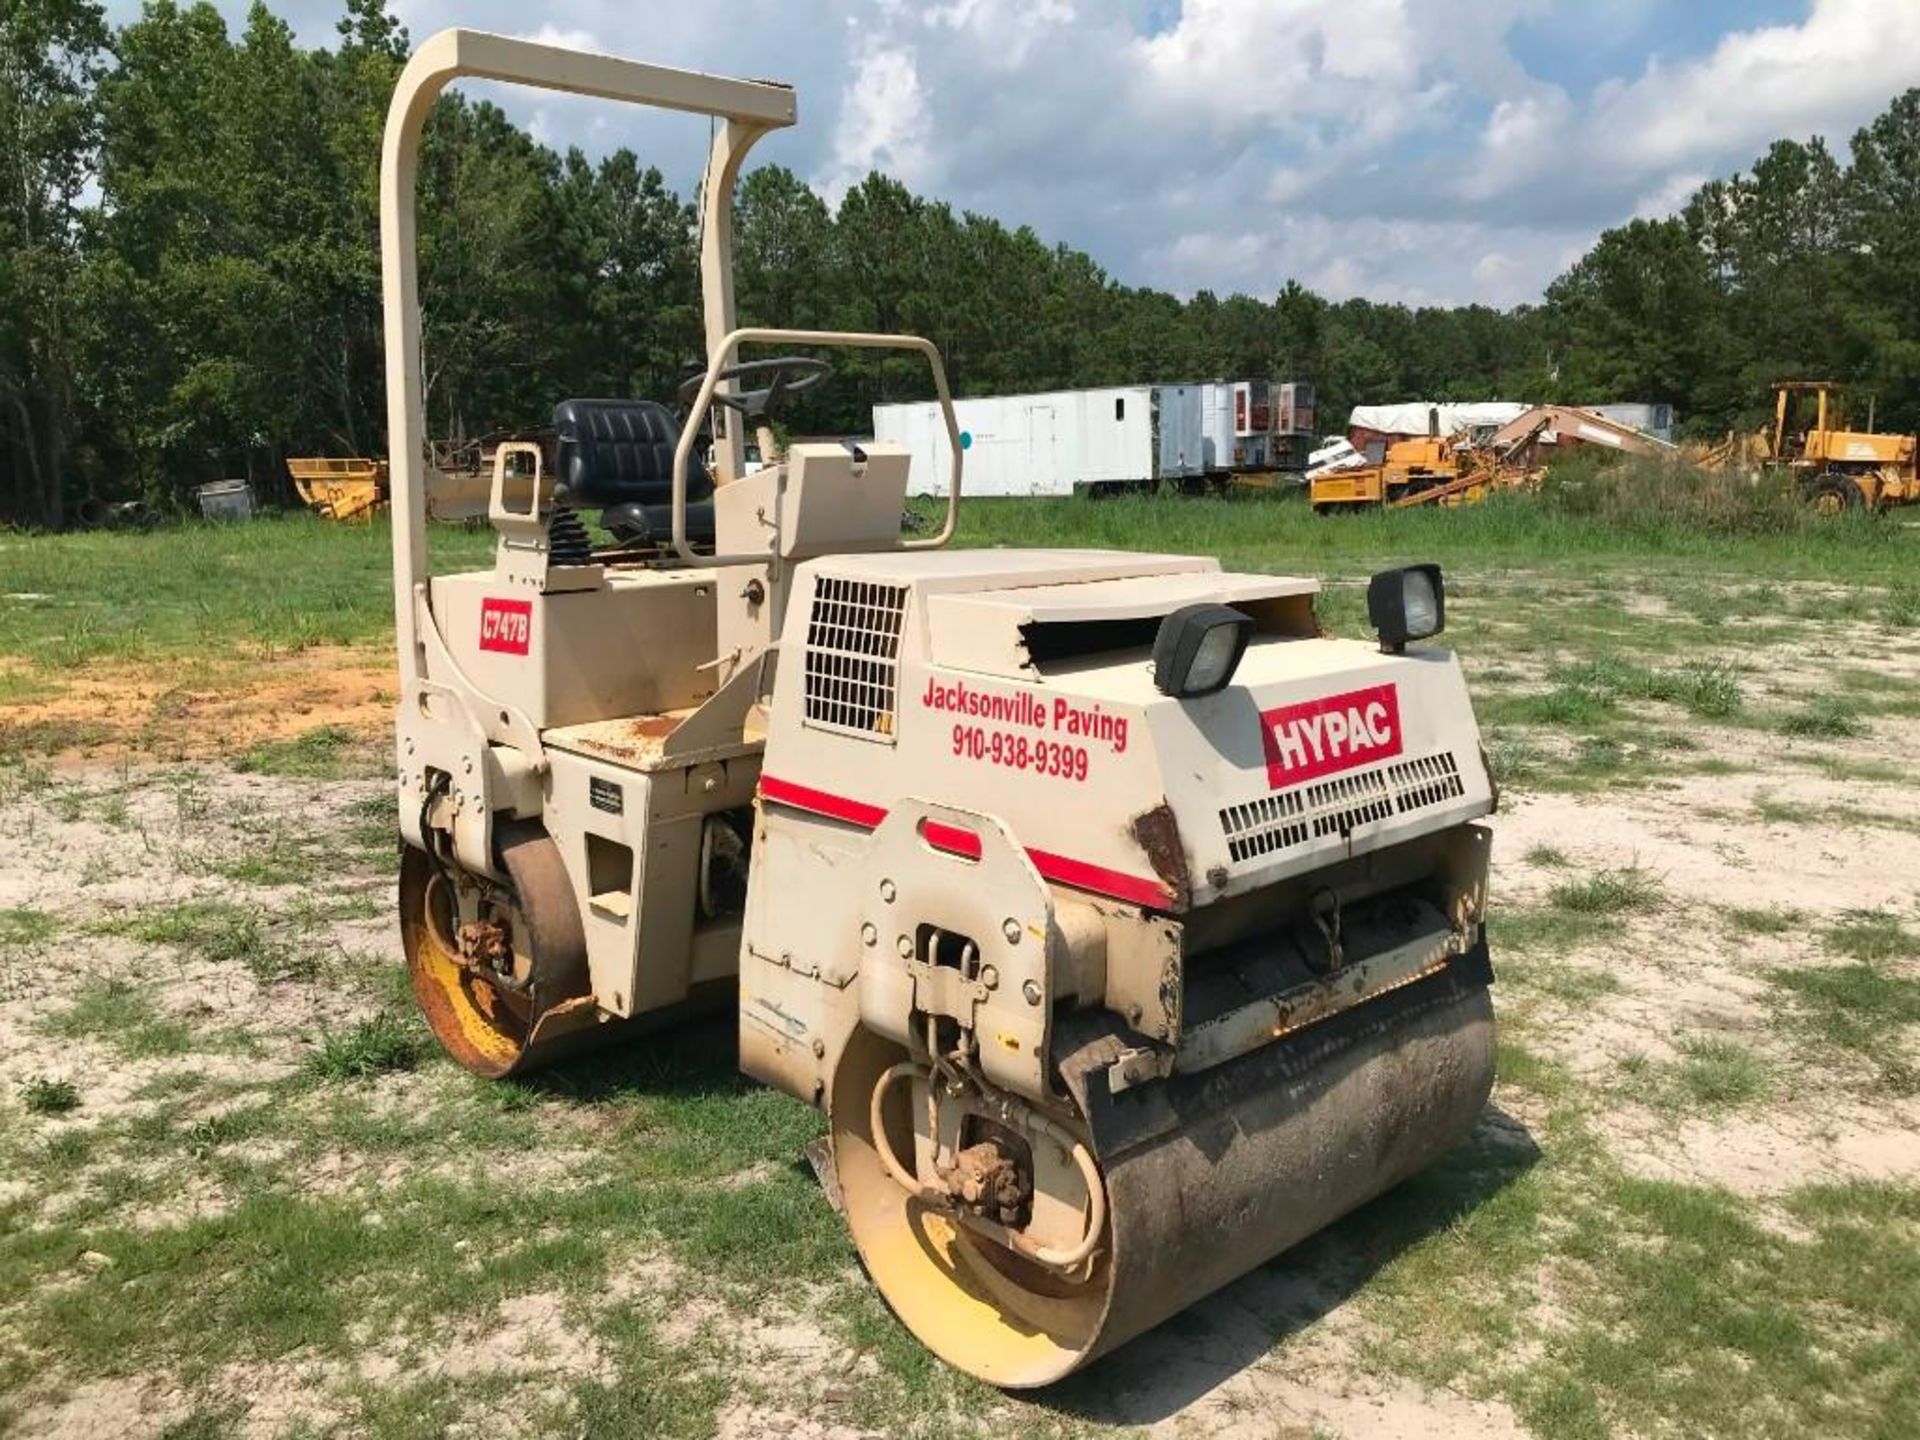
(723, 356)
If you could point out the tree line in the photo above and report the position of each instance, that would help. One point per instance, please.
(190, 287)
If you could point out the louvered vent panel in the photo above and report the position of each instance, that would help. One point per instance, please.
(1340, 805)
(853, 655)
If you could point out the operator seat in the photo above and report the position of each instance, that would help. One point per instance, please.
(618, 454)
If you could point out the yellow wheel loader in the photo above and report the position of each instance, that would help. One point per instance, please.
(1126, 929)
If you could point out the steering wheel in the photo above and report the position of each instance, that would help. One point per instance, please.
(783, 376)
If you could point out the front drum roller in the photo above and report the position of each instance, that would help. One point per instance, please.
(519, 996)
(1255, 1156)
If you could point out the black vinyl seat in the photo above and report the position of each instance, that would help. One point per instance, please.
(618, 454)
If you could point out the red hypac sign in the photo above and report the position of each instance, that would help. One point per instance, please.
(1329, 734)
(506, 625)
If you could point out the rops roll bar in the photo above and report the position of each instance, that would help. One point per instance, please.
(723, 356)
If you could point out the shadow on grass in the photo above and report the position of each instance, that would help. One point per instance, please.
(1156, 1376)
(693, 1057)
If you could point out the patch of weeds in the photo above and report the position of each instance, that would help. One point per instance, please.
(97, 871)
(118, 1013)
(22, 776)
(1775, 811)
(1600, 755)
(1516, 1064)
(1858, 1008)
(1574, 706)
(43, 1095)
(279, 857)
(1513, 760)
(1691, 1309)
(67, 1151)
(1546, 928)
(327, 752)
(203, 1424)
(1608, 892)
(373, 827)
(1547, 857)
(1872, 935)
(1826, 717)
(374, 1046)
(1768, 920)
(227, 934)
(1709, 690)
(1903, 605)
(1575, 985)
(1716, 1072)
(23, 926)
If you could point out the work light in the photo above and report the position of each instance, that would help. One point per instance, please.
(1198, 649)
(1406, 604)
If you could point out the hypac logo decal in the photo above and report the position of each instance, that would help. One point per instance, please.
(506, 625)
(1332, 733)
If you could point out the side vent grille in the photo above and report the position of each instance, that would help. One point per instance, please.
(853, 655)
(1339, 806)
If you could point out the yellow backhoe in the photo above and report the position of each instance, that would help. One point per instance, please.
(1837, 469)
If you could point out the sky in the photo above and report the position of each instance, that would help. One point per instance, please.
(1425, 151)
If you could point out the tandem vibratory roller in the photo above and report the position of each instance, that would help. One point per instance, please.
(1126, 928)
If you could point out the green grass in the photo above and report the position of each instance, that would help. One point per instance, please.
(1708, 689)
(280, 584)
(1609, 892)
(1826, 717)
(1764, 920)
(326, 752)
(43, 1095)
(1872, 935)
(1547, 857)
(1712, 1073)
(381, 1043)
(226, 933)
(207, 591)
(1715, 1071)
(119, 1013)
(24, 926)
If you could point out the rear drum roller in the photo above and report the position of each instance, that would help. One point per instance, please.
(500, 972)
(1248, 1159)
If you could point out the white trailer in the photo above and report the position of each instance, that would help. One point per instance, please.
(1057, 442)
(1255, 425)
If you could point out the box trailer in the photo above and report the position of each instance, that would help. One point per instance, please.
(1250, 425)
(1054, 443)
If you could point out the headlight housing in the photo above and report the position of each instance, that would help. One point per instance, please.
(1406, 604)
(1198, 648)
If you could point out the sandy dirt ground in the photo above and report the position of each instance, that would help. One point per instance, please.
(1285, 1352)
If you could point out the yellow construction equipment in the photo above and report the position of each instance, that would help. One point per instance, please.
(1426, 470)
(341, 489)
(1457, 470)
(1837, 469)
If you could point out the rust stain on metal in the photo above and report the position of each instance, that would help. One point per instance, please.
(485, 944)
(985, 1179)
(1157, 832)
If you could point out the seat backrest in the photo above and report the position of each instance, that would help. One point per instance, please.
(613, 452)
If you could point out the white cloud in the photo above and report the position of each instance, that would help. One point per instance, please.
(1827, 74)
(883, 123)
(1414, 262)
(1391, 148)
(566, 39)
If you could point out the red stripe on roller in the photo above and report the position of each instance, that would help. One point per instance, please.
(1061, 869)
